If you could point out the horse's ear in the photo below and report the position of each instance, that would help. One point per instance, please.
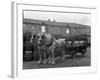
(43, 36)
(65, 40)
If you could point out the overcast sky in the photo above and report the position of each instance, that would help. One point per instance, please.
(59, 17)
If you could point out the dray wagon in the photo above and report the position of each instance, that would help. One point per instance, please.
(76, 44)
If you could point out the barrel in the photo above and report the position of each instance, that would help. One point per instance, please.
(27, 51)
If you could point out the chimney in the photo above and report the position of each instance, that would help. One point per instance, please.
(67, 25)
(49, 20)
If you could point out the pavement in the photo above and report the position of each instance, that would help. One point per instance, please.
(78, 61)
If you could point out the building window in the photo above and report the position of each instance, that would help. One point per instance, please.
(43, 28)
(32, 28)
(67, 31)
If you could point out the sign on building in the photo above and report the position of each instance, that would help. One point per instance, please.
(42, 28)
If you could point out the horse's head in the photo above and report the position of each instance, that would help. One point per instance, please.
(34, 38)
(41, 39)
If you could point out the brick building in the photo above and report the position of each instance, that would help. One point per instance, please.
(56, 28)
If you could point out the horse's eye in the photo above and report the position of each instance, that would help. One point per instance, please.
(34, 36)
(42, 37)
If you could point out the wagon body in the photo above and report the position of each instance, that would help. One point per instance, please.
(73, 49)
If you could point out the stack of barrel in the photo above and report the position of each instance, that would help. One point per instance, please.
(27, 47)
(30, 51)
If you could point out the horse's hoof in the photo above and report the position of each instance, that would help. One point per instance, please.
(53, 63)
(49, 62)
(44, 62)
(62, 60)
(39, 62)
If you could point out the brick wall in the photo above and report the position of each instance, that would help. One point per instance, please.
(56, 30)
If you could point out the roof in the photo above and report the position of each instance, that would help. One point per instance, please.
(50, 23)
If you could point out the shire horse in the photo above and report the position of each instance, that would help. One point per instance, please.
(47, 45)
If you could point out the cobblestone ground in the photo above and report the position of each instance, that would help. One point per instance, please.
(76, 62)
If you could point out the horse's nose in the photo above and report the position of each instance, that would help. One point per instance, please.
(39, 41)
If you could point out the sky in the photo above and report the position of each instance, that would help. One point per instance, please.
(84, 19)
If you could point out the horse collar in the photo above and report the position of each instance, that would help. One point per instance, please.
(48, 45)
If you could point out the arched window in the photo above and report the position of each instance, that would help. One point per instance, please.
(42, 28)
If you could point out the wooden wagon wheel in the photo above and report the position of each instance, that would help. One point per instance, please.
(83, 52)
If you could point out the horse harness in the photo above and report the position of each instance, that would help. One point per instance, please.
(45, 45)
